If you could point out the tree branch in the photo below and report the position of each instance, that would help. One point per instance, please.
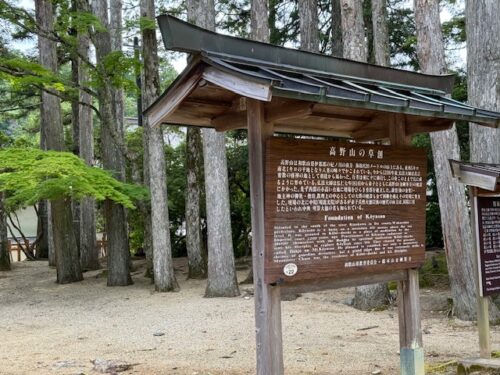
(26, 251)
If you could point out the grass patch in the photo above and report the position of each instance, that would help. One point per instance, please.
(434, 272)
(440, 368)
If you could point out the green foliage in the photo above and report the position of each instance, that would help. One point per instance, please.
(434, 272)
(239, 190)
(175, 157)
(434, 237)
(146, 23)
(402, 35)
(30, 175)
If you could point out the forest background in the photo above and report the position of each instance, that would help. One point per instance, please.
(75, 78)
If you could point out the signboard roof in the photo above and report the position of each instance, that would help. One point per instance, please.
(485, 176)
(305, 93)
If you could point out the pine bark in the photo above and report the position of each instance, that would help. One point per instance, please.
(197, 258)
(89, 255)
(455, 220)
(65, 246)
(483, 74)
(75, 125)
(367, 297)
(42, 249)
(164, 277)
(380, 32)
(4, 251)
(309, 25)
(353, 31)
(259, 22)
(222, 280)
(221, 270)
(112, 157)
(337, 44)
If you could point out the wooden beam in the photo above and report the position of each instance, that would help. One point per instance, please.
(310, 131)
(267, 298)
(167, 104)
(230, 121)
(397, 130)
(339, 116)
(238, 85)
(187, 118)
(349, 281)
(372, 131)
(208, 102)
(435, 125)
(288, 111)
(410, 335)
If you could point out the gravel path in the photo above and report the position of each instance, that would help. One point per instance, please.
(47, 328)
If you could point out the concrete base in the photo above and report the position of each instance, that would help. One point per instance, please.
(412, 361)
(478, 365)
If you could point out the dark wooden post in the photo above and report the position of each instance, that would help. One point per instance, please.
(410, 332)
(267, 298)
(483, 322)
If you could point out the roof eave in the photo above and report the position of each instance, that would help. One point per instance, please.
(185, 37)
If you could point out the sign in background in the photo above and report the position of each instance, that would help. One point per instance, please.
(488, 238)
(335, 209)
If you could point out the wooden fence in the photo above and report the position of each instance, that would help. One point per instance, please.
(16, 253)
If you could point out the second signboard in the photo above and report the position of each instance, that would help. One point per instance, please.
(335, 209)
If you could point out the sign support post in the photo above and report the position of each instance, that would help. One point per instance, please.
(267, 297)
(483, 322)
(410, 332)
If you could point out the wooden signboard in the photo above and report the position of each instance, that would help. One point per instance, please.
(488, 244)
(335, 209)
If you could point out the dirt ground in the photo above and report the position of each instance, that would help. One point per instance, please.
(47, 328)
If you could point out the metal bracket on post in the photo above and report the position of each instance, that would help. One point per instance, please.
(410, 335)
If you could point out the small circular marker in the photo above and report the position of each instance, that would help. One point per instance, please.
(290, 269)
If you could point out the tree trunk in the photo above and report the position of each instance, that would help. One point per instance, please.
(309, 25)
(367, 297)
(75, 125)
(4, 251)
(483, 83)
(259, 21)
(197, 258)
(65, 247)
(89, 254)
(353, 30)
(43, 217)
(337, 44)
(455, 219)
(112, 158)
(50, 237)
(42, 249)
(380, 32)
(221, 270)
(483, 72)
(145, 206)
(222, 280)
(164, 276)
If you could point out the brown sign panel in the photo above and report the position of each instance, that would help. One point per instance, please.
(488, 238)
(336, 209)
